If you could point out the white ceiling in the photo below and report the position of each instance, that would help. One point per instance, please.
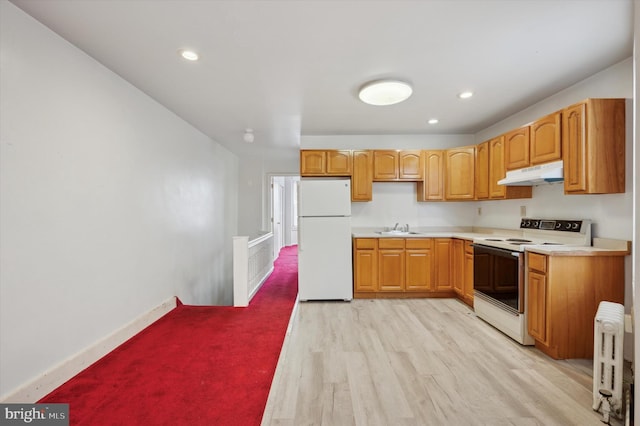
(286, 68)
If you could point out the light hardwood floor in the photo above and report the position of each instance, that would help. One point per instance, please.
(418, 362)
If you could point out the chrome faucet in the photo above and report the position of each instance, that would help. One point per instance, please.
(395, 228)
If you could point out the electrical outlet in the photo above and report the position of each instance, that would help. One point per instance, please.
(479, 211)
(523, 211)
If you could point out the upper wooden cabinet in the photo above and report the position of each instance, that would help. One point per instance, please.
(394, 165)
(482, 171)
(315, 162)
(362, 176)
(593, 147)
(535, 143)
(432, 187)
(517, 148)
(460, 173)
(497, 171)
(545, 139)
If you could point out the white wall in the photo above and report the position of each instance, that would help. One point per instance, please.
(254, 204)
(110, 204)
(612, 213)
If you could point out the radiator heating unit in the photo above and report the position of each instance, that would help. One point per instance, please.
(608, 360)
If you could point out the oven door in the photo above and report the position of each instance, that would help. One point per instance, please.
(499, 275)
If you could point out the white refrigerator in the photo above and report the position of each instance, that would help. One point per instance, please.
(324, 239)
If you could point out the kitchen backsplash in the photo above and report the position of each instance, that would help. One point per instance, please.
(395, 202)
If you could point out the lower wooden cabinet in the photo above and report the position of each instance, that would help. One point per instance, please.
(457, 266)
(365, 264)
(563, 295)
(419, 264)
(391, 264)
(402, 267)
(442, 279)
(462, 270)
(468, 274)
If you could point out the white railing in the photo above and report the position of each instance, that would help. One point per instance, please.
(252, 264)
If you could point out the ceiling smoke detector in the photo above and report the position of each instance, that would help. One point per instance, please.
(385, 92)
(249, 136)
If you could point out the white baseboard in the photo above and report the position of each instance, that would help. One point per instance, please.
(255, 290)
(47, 382)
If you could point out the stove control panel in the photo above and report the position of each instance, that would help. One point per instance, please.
(552, 225)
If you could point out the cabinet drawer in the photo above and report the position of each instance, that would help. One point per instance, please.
(391, 243)
(538, 262)
(366, 243)
(419, 243)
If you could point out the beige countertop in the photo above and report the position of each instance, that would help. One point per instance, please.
(600, 247)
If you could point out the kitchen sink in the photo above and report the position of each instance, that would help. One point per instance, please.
(400, 233)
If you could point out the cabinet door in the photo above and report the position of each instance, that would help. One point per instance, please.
(517, 148)
(497, 169)
(385, 165)
(432, 188)
(365, 270)
(312, 162)
(468, 277)
(339, 163)
(545, 139)
(482, 171)
(419, 269)
(575, 149)
(391, 266)
(537, 306)
(362, 176)
(457, 266)
(442, 280)
(410, 165)
(460, 173)
(593, 147)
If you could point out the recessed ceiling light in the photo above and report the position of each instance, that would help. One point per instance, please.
(465, 95)
(433, 121)
(189, 55)
(385, 92)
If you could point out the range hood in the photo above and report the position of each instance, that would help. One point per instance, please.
(535, 175)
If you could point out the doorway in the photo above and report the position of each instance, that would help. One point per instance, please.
(284, 211)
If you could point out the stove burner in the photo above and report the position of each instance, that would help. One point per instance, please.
(492, 239)
(551, 244)
(520, 243)
(518, 240)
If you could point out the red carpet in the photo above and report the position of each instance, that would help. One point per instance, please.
(197, 365)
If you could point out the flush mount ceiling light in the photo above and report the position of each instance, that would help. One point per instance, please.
(384, 92)
(433, 121)
(465, 95)
(189, 55)
(248, 136)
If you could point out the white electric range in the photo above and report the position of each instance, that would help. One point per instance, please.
(499, 278)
